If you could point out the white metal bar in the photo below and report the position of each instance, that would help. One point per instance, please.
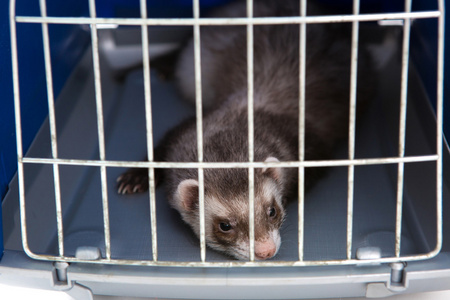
(351, 128)
(251, 171)
(402, 128)
(350, 189)
(231, 21)
(199, 119)
(236, 263)
(18, 124)
(52, 125)
(101, 131)
(216, 165)
(301, 134)
(439, 120)
(149, 127)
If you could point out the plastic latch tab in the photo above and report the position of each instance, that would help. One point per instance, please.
(60, 281)
(367, 254)
(88, 253)
(71, 288)
(398, 283)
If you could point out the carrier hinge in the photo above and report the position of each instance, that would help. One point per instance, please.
(398, 277)
(62, 283)
(398, 283)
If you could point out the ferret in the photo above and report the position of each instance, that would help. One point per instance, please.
(276, 123)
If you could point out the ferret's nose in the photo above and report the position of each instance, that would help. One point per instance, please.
(265, 249)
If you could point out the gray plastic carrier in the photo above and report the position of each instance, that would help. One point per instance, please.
(374, 216)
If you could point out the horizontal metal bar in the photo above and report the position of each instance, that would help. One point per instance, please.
(230, 21)
(221, 165)
(225, 264)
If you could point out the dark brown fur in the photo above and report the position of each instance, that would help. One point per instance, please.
(276, 110)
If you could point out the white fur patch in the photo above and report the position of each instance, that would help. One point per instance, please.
(275, 236)
(183, 194)
(242, 249)
(269, 190)
(270, 159)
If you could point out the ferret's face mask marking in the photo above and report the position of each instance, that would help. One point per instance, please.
(231, 234)
(227, 216)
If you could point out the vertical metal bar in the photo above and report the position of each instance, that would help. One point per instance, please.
(439, 120)
(149, 127)
(251, 171)
(18, 124)
(402, 127)
(351, 128)
(100, 127)
(301, 134)
(199, 118)
(52, 123)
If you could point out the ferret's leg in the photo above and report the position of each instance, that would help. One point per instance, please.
(133, 181)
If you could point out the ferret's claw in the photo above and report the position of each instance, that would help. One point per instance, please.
(133, 181)
(137, 188)
(120, 189)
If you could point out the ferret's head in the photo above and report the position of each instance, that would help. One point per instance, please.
(227, 210)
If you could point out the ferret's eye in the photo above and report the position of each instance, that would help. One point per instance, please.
(225, 227)
(272, 212)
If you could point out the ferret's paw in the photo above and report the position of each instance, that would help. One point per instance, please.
(133, 181)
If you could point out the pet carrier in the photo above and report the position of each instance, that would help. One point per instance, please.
(88, 104)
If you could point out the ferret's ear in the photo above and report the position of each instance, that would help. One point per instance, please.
(187, 194)
(275, 173)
